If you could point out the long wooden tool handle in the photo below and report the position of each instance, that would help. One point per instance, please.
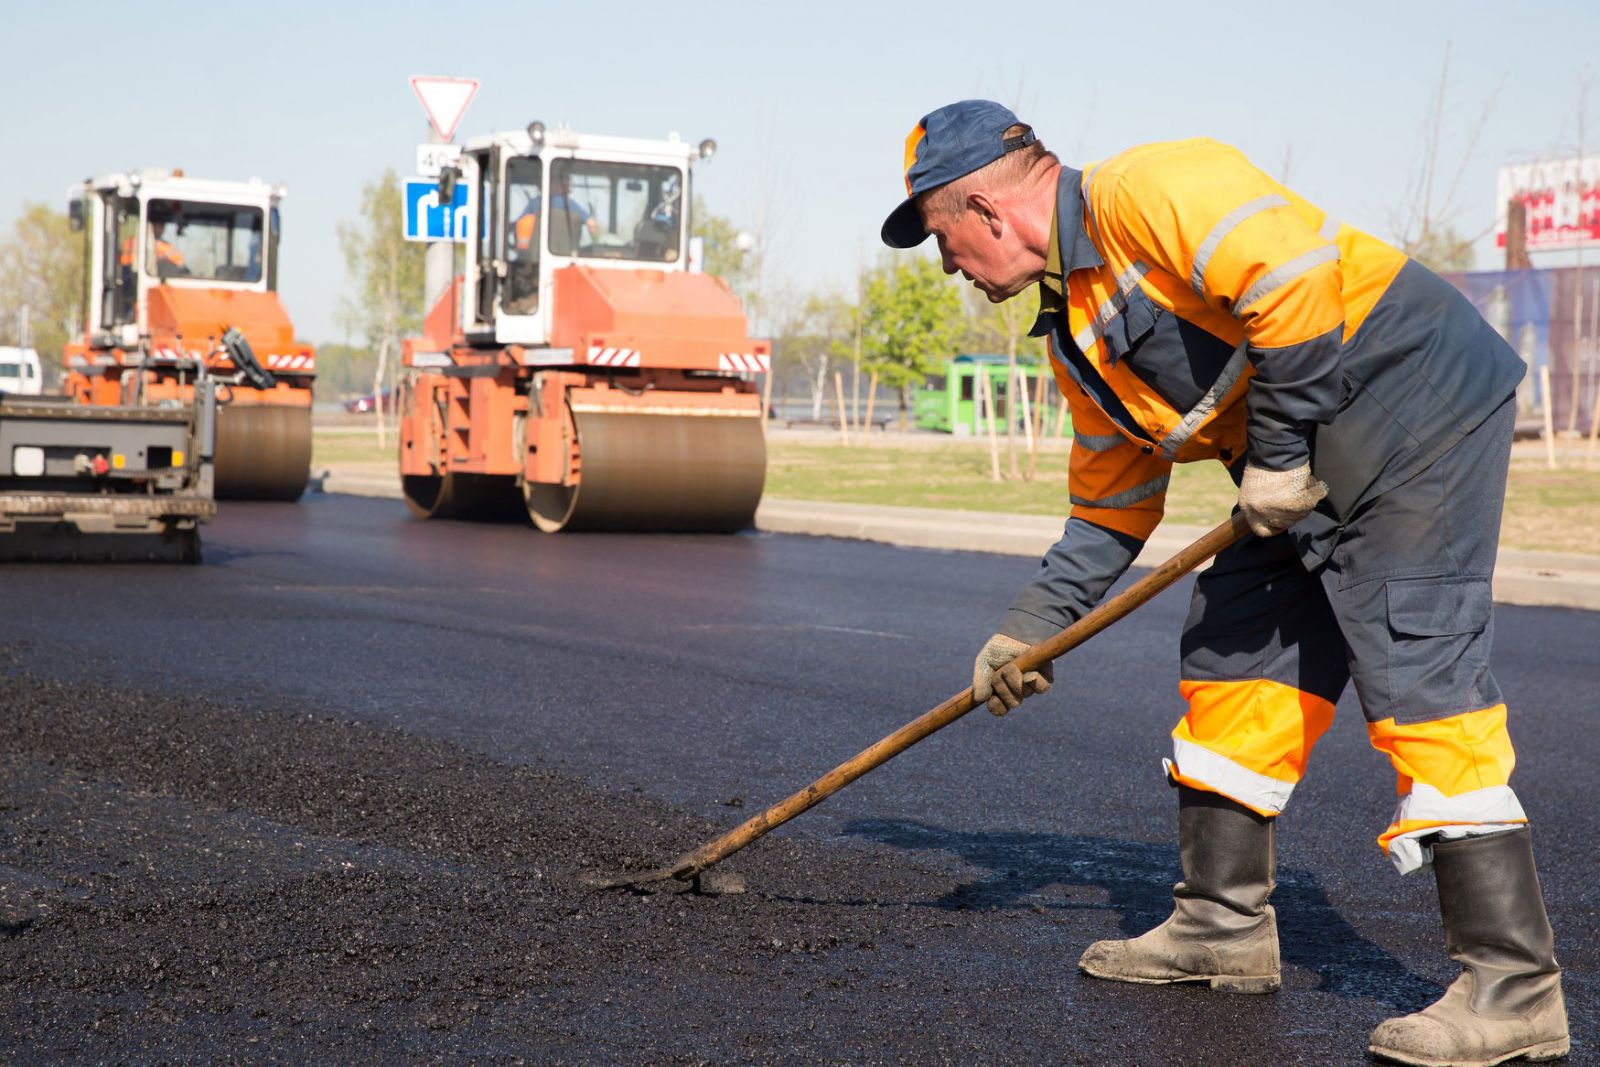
(691, 863)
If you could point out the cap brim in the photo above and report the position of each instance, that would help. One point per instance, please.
(903, 228)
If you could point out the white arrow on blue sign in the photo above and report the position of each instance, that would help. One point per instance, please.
(427, 220)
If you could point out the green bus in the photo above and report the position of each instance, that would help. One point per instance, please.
(948, 402)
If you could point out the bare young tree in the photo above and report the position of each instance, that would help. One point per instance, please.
(1423, 223)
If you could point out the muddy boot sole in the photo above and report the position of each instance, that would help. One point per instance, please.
(1221, 983)
(1536, 1053)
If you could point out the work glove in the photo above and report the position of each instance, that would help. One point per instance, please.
(997, 682)
(1273, 501)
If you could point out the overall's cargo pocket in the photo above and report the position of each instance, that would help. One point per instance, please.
(1439, 636)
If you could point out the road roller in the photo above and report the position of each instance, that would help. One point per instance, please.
(580, 371)
(181, 282)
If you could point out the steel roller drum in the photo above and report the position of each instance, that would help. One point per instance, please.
(463, 496)
(263, 451)
(658, 472)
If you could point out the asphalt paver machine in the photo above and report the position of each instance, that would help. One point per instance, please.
(106, 482)
(578, 367)
(181, 283)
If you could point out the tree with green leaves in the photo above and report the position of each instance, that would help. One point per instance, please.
(911, 320)
(728, 250)
(386, 272)
(41, 269)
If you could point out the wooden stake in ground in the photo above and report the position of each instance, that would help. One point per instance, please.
(1549, 416)
(766, 398)
(1038, 424)
(1027, 420)
(855, 391)
(986, 399)
(872, 398)
(1011, 416)
(1594, 425)
(838, 396)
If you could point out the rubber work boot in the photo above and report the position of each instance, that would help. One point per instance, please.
(1507, 1002)
(1222, 930)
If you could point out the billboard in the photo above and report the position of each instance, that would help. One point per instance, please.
(1562, 200)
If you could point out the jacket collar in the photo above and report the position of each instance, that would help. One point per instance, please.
(1070, 247)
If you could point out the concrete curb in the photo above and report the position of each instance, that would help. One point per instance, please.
(1541, 579)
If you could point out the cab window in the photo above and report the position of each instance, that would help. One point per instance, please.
(212, 242)
(615, 210)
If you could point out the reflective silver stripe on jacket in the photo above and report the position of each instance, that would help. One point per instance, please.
(1275, 279)
(1097, 442)
(1330, 228)
(1127, 497)
(1096, 329)
(1230, 222)
(1208, 403)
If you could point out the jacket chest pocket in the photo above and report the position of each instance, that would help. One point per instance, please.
(1125, 333)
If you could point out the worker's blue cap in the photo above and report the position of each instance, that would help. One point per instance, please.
(954, 141)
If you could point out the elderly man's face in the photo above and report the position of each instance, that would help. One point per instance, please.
(998, 264)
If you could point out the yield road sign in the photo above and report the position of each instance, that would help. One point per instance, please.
(444, 100)
(428, 220)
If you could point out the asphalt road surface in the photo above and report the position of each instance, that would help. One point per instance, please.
(327, 798)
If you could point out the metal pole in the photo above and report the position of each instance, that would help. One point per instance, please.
(438, 265)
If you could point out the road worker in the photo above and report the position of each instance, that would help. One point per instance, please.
(168, 259)
(1196, 309)
(567, 217)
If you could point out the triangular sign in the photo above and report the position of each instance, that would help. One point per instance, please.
(445, 100)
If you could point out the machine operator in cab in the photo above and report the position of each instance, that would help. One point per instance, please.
(1196, 309)
(168, 259)
(568, 216)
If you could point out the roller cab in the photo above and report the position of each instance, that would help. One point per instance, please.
(578, 372)
(181, 284)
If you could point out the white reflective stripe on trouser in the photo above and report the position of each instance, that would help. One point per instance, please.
(1198, 764)
(1482, 811)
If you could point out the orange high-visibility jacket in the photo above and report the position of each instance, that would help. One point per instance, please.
(1212, 313)
(166, 252)
(524, 229)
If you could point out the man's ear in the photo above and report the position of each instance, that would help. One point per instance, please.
(988, 212)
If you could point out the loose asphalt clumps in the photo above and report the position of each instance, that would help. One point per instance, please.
(180, 879)
(183, 880)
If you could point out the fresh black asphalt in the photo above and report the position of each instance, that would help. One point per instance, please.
(346, 715)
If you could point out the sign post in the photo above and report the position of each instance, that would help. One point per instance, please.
(444, 101)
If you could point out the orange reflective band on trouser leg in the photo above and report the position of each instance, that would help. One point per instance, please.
(1452, 778)
(1248, 740)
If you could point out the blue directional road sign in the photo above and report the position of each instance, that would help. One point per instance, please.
(428, 220)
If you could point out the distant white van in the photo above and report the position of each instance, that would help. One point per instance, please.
(19, 371)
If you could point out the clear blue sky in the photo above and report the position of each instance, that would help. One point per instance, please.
(809, 102)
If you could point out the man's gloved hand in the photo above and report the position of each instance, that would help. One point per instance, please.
(998, 683)
(1273, 501)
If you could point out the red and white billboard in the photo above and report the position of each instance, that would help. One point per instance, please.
(1562, 199)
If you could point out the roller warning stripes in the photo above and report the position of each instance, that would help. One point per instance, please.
(739, 361)
(288, 361)
(727, 361)
(613, 357)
